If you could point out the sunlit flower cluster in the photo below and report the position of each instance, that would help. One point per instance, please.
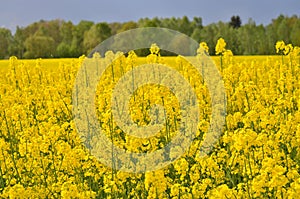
(258, 155)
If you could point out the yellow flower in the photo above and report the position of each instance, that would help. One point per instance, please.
(175, 190)
(280, 45)
(222, 191)
(42, 154)
(154, 49)
(203, 48)
(288, 49)
(228, 53)
(220, 47)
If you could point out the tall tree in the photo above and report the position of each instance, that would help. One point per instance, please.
(185, 26)
(66, 32)
(64, 49)
(295, 33)
(128, 26)
(5, 41)
(146, 22)
(98, 33)
(283, 31)
(63, 39)
(115, 27)
(235, 21)
(210, 35)
(252, 39)
(39, 46)
(78, 36)
(17, 47)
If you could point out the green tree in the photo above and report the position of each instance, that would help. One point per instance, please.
(171, 23)
(196, 35)
(197, 28)
(230, 35)
(115, 27)
(235, 21)
(64, 39)
(252, 39)
(79, 31)
(66, 32)
(146, 22)
(128, 25)
(64, 49)
(17, 47)
(283, 31)
(98, 33)
(39, 46)
(295, 33)
(5, 41)
(185, 26)
(50, 29)
(246, 35)
(209, 34)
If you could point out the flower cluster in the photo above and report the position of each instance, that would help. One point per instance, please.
(258, 155)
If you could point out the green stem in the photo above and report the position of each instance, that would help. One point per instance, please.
(221, 62)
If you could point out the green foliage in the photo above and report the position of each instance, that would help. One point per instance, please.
(235, 22)
(127, 26)
(39, 46)
(95, 35)
(5, 40)
(58, 38)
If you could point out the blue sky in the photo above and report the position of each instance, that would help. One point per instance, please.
(25, 12)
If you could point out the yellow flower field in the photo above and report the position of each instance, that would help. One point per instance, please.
(258, 155)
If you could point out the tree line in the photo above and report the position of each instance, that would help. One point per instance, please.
(59, 38)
